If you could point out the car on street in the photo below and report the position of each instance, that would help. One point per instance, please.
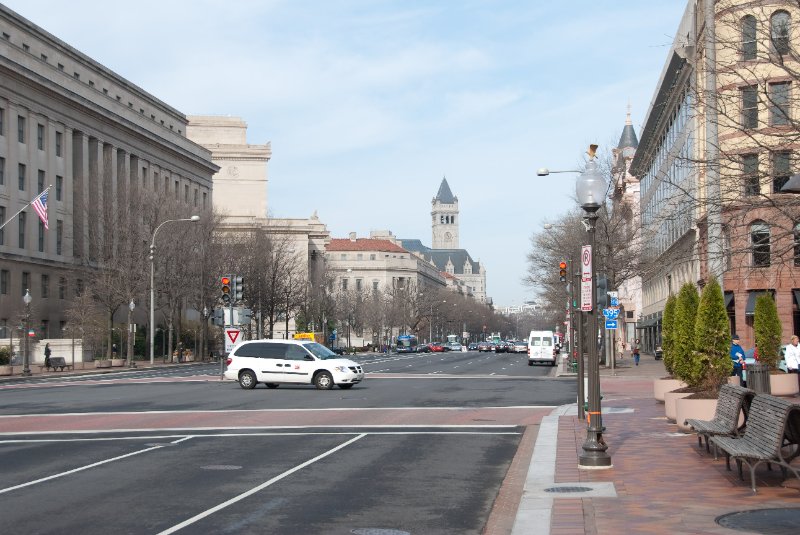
(500, 347)
(541, 348)
(455, 346)
(424, 348)
(484, 346)
(436, 347)
(276, 362)
(472, 346)
(520, 346)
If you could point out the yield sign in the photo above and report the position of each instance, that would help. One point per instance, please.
(231, 336)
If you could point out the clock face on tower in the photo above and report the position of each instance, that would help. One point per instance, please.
(448, 236)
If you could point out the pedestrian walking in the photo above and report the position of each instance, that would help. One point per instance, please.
(47, 353)
(636, 349)
(792, 357)
(737, 356)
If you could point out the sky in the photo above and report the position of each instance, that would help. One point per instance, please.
(368, 104)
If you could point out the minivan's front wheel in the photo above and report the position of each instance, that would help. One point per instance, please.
(247, 380)
(323, 381)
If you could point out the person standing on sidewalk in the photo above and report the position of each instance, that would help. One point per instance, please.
(792, 357)
(737, 356)
(636, 349)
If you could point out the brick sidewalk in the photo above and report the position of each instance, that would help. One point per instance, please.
(664, 482)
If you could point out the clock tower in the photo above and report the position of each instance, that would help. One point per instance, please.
(444, 214)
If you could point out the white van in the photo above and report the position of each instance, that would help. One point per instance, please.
(541, 347)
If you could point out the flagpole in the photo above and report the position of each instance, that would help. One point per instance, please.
(9, 220)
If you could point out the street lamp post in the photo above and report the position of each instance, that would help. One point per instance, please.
(203, 348)
(193, 219)
(131, 334)
(26, 363)
(591, 191)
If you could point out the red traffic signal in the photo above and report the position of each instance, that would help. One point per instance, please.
(562, 271)
(226, 289)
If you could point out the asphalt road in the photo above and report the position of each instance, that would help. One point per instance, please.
(410, 450)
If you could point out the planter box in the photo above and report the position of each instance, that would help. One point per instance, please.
(5, 370)
(118, 362)
(662, 386)
(734, 380)
(670, 403)
(784, 384)
(700, 409)
(102, 364)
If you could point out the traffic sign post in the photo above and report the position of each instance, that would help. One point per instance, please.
(586, 278)
(611, 324)
(231, 337)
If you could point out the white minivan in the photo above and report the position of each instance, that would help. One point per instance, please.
(290, 361)
(541, 347)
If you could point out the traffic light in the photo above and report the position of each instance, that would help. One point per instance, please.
(245, 316)
(225, 281)
(238, 288)
(218, 318)
(602, 291)
(562, 271)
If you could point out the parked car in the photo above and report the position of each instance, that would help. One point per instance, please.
(472, 346)
(484, 346)
(274, 362)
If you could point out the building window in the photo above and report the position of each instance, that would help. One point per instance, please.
(749, 29)
(5, 281)
(59, 144)
(343, 256)
(374, 286)
(344, 285)
(22, 177)
(196, 193)
(759, 240)
(372, 256)
(359, 285)
(177, 189)
(21, 129)
(40, 181)
(45, 286)
(41, 236)
(779, 104)
(78, 287)
(750, 172)
(59, 236)
(750, 107)
(40, 136)
(59, 187)
(780, 27)
(21, 237)
(205, 199)
(2, 171)
(797, 245)
(186, 193)
(2, 220)
(781, 169)
(26, 283)
(2, 122)
(62, 287)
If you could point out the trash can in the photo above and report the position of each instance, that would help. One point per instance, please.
(659, 353)
(758, 378)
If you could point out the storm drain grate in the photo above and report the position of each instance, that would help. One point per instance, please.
(221, 467)
(378, 531)
(568, 489)
(766, 521)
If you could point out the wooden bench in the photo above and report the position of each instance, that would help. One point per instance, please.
(765, 438)
(732, 401)
(56, 362)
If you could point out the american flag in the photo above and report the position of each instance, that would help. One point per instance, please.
(40, 205)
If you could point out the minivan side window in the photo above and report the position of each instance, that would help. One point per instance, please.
(296, 353)
(264, 351)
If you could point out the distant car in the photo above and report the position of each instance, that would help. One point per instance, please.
(455, 346)
(423, 348)
(338, 350)
(500, 347)
(520, 346)
(484, 346)
(472, 346)
(436, 347)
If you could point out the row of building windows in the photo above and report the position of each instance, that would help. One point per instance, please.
(761, 244)
(778, 101)
(780, 25)
(77, 76)
(41, 138)
(781, 163)
(372, 256)
(22, 220)
(42, 291)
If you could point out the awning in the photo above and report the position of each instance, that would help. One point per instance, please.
(750, 309)
(646, 323)
(729, 299)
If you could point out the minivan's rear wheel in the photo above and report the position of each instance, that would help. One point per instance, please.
(247, 380)
(272, 385)
(323, 381)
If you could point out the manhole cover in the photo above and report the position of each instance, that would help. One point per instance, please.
(378, 531)
(568, 489)
(221, 467)
(765, 521)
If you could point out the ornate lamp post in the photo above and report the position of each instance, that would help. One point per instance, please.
(204, 342)
(591, 191)
(26, 363)
(193, 219)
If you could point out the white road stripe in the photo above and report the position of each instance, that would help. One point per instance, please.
(82, 468)
(252, 491)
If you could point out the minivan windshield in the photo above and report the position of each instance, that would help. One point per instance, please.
(320, 351)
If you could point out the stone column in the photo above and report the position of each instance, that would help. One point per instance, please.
(80, 172)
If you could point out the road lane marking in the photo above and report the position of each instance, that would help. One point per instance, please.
(254, 490)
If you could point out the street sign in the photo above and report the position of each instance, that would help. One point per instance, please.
(613, 298)
(231, 337)
(586, 262)
(332, 336)
(611, 313)
(586, 295)
(611, 324)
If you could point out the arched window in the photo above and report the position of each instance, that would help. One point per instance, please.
(749, 29)
(780, 26)
(760, 243)
(797, 244)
